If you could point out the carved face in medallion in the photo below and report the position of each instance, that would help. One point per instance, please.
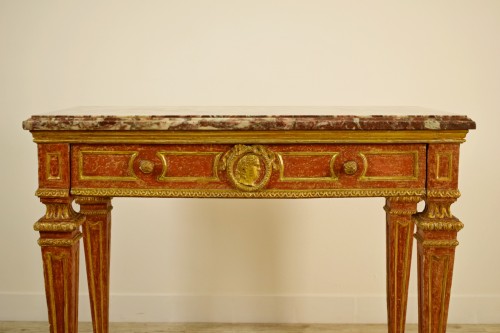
(248, 168)
(247, 171)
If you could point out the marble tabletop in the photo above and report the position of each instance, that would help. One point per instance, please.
(247, 118)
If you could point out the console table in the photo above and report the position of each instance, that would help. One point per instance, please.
(93, 154)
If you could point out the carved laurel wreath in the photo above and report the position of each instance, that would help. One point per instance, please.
(230, 160)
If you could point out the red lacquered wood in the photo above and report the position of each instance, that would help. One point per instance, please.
(400, 228)
(59, 240)
(97, 243)
(295, 167)
(437, 238)
(53, 166)
(96, 157)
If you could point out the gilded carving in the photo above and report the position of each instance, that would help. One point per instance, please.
(59, 211)
(443, 194)
(350, 167)
(187, 193)
(61, 218)
(55, 193)
(395, 211)
(249, 168)
(92, 200)
(437, 242)
(247, 171)
(59, 241)
(426, 225)
(84, 201)
(146, 166)
(95, 211)
(438, 209)
(407, 199)
(58, 226)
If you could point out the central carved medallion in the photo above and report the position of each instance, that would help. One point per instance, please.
(249, 168)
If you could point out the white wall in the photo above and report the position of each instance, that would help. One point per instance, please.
(251, 260)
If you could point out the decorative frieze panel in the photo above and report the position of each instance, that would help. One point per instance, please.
(175, 170)
(114, 165)
(307, 166)
(189, 166)
(390, 165)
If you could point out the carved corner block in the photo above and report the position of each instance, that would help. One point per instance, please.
(53, 166)
(60, 222)
(442, 161)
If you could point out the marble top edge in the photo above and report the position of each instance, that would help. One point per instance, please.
(248, 118)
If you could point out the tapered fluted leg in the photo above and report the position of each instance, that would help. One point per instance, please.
(60, 240)
(96, 240)
(437, 238)
(400, 227)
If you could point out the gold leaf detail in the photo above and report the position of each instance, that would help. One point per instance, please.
(92, 200)
(439, 242)
(59, 241)
(56, 193)
(427, 225)
(59, 211)
(394, 211)
(243, 165)
(58, 226)
(188, 193)
(95, 211)
(407, 199)
(443, 194)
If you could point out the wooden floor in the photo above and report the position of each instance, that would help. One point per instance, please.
(40, 327)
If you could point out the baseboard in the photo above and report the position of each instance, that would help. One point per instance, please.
(250, 309)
